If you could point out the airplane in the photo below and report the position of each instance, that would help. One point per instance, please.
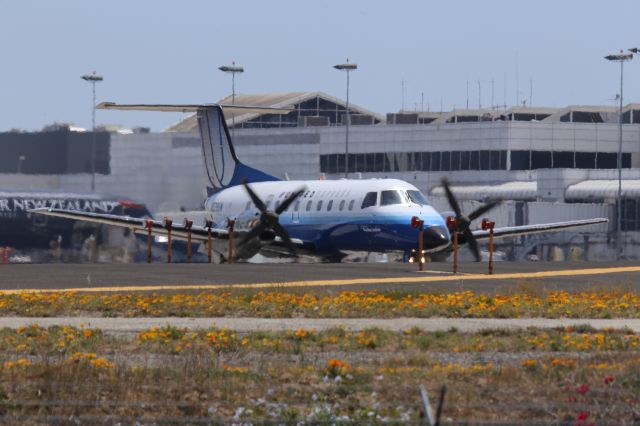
(323, 218)
(19, 229)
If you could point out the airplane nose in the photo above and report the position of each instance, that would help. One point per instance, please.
(435, 236)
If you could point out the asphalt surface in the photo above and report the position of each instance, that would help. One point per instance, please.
(352, 276)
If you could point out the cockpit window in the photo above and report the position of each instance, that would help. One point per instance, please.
(417, 197)
(371, 199)
(389, 198)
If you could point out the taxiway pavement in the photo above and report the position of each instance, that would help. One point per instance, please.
(352, 276)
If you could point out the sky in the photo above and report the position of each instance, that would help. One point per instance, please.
(158, 51)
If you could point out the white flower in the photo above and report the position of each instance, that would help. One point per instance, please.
(238, 413)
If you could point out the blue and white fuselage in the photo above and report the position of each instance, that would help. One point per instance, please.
(336, 215)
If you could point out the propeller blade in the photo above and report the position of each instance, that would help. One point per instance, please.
(482, 210)
(473, 244)
(282, 233)
(253, 233)
(256, 201)
(451, 198)
(286, 203)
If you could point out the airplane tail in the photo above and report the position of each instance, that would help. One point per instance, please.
(221, 163)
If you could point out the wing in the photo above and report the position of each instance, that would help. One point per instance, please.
(237, 109)
(137, 225)
(511, 231)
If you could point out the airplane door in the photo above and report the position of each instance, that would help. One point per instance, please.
(295, 212)
(368, 228)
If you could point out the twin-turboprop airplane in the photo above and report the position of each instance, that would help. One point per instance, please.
(323, 218)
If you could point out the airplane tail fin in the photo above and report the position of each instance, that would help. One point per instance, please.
(221, 163)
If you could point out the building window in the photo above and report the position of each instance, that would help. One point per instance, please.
(630, 214)
(435, 162)
(474, 160)
(445, 161)
(455, 160)
(541, 160)
(563, 160)
(520, 160)
(607, 160)
(485, 160)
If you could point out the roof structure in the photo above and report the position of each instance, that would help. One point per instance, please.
(602, 189)
(585, 114)
(273, 100)
(517, 190)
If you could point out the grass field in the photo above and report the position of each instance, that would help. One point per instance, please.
(576, 375)
(523, 302)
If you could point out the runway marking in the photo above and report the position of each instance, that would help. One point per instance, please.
(340, 282)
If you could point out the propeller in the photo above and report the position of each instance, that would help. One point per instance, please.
(464, 221)
(269, 220)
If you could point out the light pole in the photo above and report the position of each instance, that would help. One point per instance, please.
(21, 159)
(622, 58)
(232, 69)
(93, 78)
(347, 67)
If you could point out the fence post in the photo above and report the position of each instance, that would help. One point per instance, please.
(488, 225)
(230, 224)
(167, 224)
(416, 222)
(208, 224)
(188, 224)
(149, 226)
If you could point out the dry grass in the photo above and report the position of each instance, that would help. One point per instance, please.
(217, 376)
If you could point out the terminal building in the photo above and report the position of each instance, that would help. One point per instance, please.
(547, 164)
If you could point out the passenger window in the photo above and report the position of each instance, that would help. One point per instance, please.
(341, 206)
(296, 206)
(309, 205)
(351, 203)
(329, 205)
(319, 205)
(371, 199)
(388, 198)
(248, 205)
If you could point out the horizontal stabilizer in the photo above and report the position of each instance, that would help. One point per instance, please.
(233, 109)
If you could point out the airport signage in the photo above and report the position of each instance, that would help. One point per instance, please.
(11, 207)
